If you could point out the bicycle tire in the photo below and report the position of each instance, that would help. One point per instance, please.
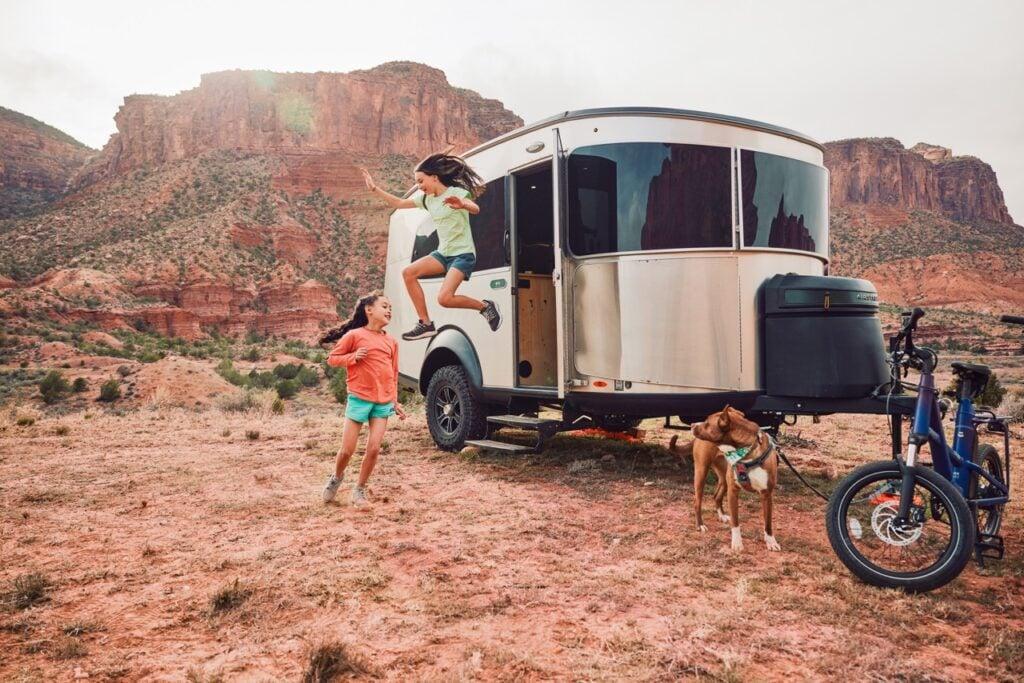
(988, 457)
(950, 563)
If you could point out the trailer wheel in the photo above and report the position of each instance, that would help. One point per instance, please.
(454, 414)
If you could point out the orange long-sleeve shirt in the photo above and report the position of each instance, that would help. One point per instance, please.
(375, 377)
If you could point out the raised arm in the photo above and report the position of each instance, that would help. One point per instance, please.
(392, 201)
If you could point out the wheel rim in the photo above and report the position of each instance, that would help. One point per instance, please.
(448, 410)
(869, 512)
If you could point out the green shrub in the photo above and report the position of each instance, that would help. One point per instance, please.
(338, 386)
(226, 369)
(288, 371)
(277, 407)
(110, 391)
(991, 397)
(307, 376)
(79, 385)
(54, 387)
(253, 354)
(262, 380)
(287, 388)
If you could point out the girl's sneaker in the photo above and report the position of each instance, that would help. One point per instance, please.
(331, 490)
(421, 331)
(359, 497)
(491, 315)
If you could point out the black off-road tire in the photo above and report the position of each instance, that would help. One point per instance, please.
(988, 458)
(947, 568)
(450, 385)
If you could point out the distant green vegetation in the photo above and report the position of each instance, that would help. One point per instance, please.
(287, 378)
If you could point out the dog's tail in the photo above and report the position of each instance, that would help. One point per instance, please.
(684, 452)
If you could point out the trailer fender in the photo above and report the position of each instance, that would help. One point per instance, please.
(450, 346)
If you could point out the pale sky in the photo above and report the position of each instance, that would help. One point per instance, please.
(949, 73)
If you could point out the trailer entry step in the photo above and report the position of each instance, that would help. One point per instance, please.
(524, 422)
(490, 445)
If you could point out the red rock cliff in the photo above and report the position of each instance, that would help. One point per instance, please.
(396, 108)
(36, 162)
(927, 177)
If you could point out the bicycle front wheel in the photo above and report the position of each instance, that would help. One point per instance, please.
(927, 552)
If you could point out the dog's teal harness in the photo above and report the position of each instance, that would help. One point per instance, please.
(740, 467)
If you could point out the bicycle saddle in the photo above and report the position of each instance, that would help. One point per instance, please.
(971, 369)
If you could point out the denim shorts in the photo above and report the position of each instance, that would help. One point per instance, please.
(360, 410)
(461, 262)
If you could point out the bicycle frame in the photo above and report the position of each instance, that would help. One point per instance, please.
(957, 463)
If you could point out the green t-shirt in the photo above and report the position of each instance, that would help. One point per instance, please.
(454, 236)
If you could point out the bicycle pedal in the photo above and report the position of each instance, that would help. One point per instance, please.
(989, 547)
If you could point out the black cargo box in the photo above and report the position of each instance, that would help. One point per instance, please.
(821, 337)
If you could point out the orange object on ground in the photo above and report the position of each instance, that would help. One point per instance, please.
(599, 433)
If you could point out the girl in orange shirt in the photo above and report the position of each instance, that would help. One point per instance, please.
(371, 357)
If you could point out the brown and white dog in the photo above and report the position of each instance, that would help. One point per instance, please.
(757, 470)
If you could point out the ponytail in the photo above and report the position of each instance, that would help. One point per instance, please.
(357, 320)
(453, 171)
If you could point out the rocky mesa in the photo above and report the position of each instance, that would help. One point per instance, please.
(881, 171)
(927, 227)
(37, 163)
(238, 206)
(400, 108)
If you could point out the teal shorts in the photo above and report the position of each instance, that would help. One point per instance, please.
(461, 262)
(361, 411)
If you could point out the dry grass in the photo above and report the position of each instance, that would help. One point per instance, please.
(327, 662)
(228, 598)
(27, 590)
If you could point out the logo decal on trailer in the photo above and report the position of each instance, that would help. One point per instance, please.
(500, 283)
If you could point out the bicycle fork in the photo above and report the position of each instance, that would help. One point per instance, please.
(919, 433)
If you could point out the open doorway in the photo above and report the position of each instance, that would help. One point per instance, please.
(536, 306)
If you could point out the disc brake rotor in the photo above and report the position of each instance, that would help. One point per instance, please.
(882, 519)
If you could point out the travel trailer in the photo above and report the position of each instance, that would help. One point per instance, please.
(646, 263)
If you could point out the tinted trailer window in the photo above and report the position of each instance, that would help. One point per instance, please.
(642, 196)
(785, 203)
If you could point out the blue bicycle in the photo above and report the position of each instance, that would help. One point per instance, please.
(910, 525)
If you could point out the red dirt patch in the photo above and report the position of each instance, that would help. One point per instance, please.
(577, 564)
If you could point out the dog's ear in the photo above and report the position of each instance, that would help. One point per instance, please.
(733, 412)
(723, 419)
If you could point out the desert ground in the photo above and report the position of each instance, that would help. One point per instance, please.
(153, 542)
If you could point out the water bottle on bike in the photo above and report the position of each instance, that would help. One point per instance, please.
(907, 524)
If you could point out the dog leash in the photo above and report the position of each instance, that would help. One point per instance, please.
(798, 475)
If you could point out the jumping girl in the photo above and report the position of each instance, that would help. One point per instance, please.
(449, 186)
(371, 357)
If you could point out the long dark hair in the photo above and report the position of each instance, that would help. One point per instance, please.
(453, 170)
(357, 320)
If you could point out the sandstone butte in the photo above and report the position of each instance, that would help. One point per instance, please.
(926, 177)
(37, 162)
(399, 108)
(316, 128)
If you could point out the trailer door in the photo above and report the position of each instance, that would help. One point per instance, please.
(558, 195)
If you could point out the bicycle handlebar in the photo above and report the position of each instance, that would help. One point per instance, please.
(1014, 319)
(914, 316)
